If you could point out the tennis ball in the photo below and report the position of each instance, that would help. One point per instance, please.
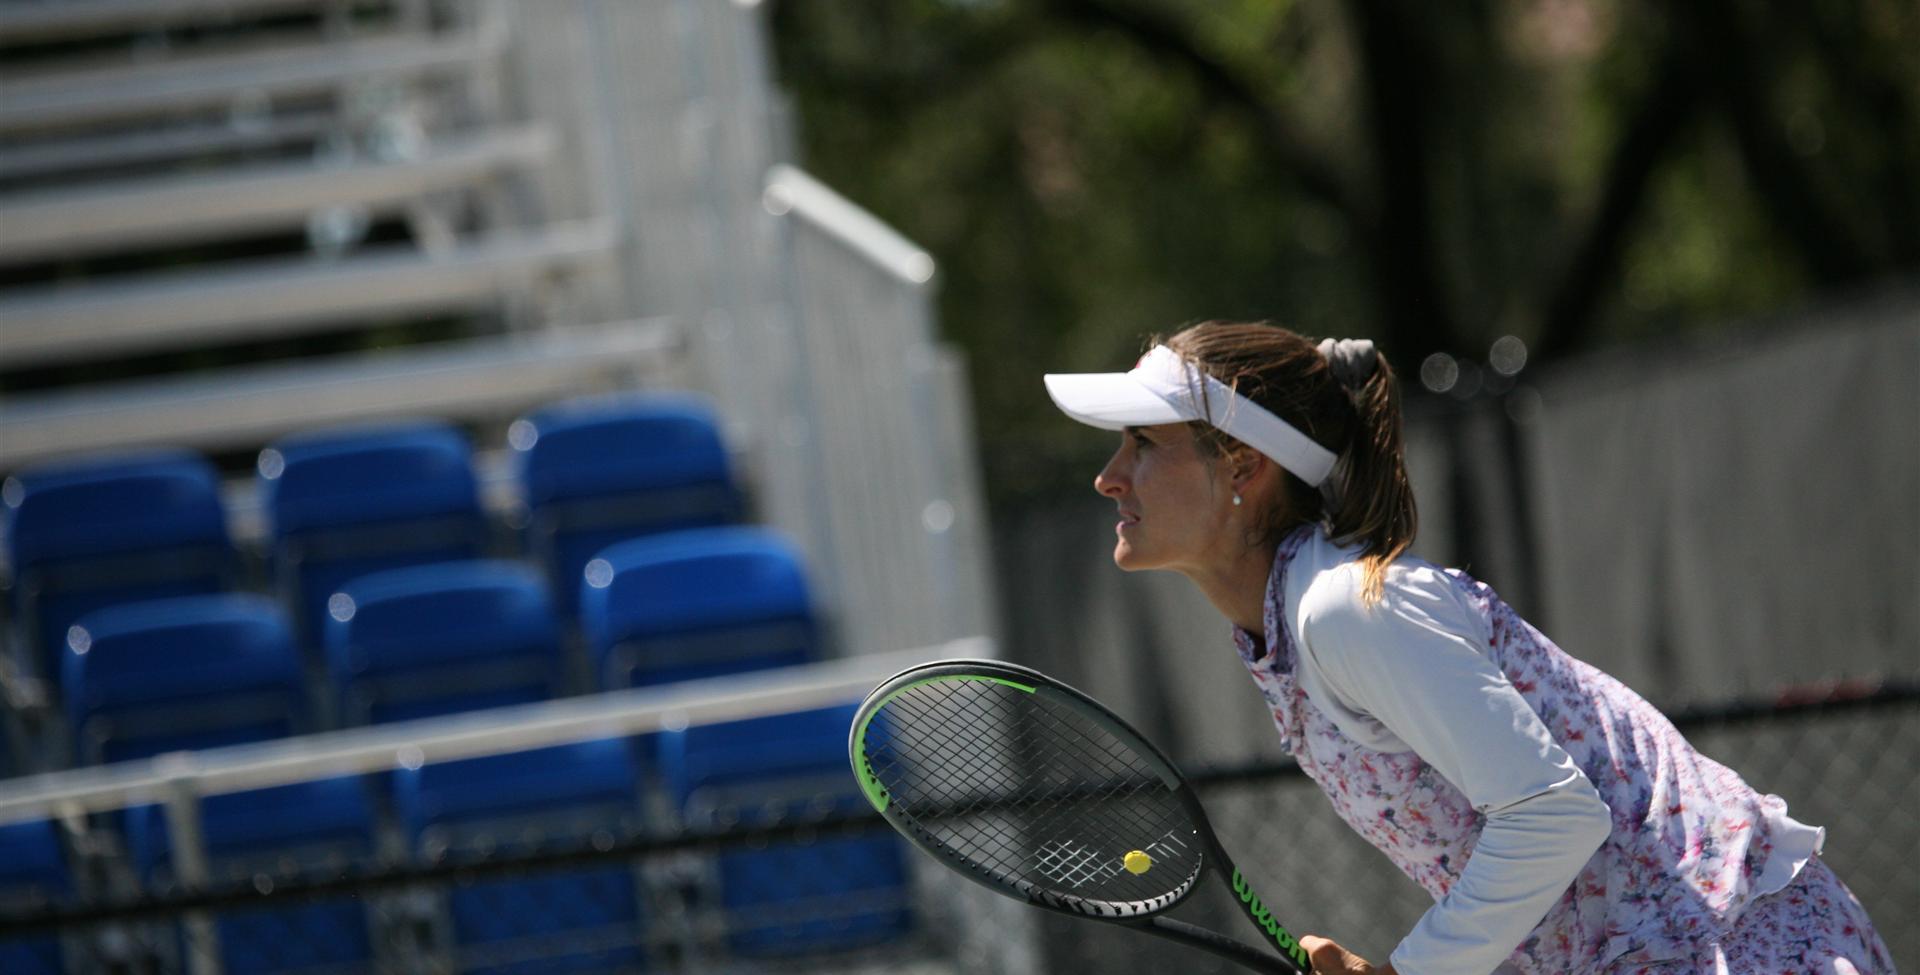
(1137, 862)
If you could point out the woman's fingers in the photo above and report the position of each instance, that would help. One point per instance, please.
(1331, 959)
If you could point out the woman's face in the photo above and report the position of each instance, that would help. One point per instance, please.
(1174, 504)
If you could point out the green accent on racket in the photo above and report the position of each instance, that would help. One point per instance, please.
(863, 770)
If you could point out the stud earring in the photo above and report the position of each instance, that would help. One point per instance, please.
(1236, 499)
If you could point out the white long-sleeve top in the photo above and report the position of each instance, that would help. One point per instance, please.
(1463, 744)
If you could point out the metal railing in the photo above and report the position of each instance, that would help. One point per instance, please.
(381, 748)
(885, 450)
(179, 781)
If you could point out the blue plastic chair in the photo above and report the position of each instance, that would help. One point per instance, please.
(827, 895)
(309, 825)
(698, 603)
(344, 503)
(33, 875)
(586, 920)
(179, 674)
(598, 471)
(86, 534)
(203, 672)
(434, 639)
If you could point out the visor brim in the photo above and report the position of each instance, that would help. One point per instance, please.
(1109, 400)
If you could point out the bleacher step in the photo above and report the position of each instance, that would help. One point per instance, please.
(475, 379)
(176, 209)
(277, 298)
(101, 94)
(69, 19)
(118, 149)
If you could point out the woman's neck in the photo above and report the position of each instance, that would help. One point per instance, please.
(1238, 587)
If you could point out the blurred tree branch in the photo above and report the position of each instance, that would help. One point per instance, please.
(884, 83)
(1669, 103)
(1394, 222)
(1838, 43)
(1158, 34)
(1826, 245)
(1397, 66)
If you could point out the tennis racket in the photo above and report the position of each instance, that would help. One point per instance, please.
(1034, 789)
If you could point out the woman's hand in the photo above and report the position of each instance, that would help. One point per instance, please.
(1331, 959)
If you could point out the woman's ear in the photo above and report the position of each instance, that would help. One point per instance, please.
(1245, 465)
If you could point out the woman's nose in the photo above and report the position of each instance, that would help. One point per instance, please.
(1109, 481)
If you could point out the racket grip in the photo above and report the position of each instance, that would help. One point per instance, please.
(1234, 951)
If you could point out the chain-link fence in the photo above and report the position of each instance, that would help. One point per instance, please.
(815, 885)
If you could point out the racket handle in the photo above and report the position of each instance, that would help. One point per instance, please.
(1234, 951)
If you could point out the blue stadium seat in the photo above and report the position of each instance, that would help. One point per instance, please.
(33, 875)
(203, 672)
(584, 920)
(87, 534)
(344, 503)
(598, 471)
(796, 897)
(696, 603)
(293, 829)
(185, 673)
(433, 639)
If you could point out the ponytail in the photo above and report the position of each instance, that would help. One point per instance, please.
(1373, 497)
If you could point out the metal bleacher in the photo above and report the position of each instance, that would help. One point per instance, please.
(232, 227)
(207, 178)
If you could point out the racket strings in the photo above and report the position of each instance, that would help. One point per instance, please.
(1032, 793)
(1041, 780)
(1057, 787)
(1031, 753)
(1089, 769)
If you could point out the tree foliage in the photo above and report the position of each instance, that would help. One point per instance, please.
(1436, 176)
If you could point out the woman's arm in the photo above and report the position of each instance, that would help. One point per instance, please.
(1413, 663)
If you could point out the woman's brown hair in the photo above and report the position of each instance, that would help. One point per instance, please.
(1287, 374)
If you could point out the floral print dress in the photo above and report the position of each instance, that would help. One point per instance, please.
(1691, 848)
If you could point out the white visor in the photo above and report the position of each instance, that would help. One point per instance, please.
(1162, 388)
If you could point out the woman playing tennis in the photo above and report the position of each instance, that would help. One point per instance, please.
(1558, 820)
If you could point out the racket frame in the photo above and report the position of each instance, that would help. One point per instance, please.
(1284, 956)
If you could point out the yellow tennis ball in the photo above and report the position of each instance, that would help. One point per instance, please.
(1137, 862)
